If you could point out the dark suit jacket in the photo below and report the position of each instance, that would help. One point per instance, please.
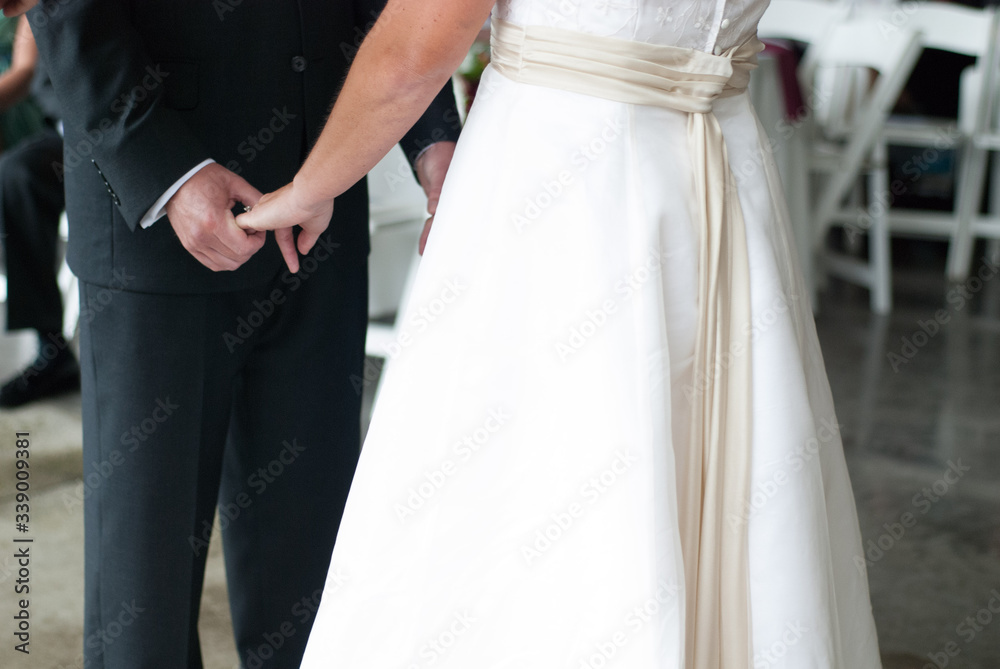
(150, 88)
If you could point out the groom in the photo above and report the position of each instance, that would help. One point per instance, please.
(211, 376)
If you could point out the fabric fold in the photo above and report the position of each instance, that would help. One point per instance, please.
(717, 479)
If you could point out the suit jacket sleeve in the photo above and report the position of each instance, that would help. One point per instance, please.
(440, 123)
(112, 97)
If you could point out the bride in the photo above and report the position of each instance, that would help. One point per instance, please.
(607, 439)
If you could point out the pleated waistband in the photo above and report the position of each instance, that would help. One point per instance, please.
(687, 80)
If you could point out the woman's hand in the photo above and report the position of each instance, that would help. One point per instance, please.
(283, 209)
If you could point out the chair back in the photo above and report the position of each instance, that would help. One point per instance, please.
(838, 73)
(942, 25)
(986, 118)
(800, 20)
(858, 107)
(805, 21)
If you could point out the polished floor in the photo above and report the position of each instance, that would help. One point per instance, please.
(918, 397)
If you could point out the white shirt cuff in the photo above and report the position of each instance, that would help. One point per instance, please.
(159, 208)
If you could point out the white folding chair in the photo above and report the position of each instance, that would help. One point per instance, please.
(845, 145)
(804, 21)
(980, 91)
(956, 29)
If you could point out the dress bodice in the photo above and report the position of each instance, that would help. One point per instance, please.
(707, 25)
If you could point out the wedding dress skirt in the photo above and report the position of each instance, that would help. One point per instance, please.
(524, 497)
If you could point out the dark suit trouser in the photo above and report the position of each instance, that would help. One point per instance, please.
(230, 399)
(31, 201)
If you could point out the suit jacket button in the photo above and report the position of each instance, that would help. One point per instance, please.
(299, 64)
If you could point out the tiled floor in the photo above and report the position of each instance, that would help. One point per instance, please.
(918, 396)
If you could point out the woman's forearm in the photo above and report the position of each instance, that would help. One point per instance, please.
(15, 83)
(410, 53)
(14, 87)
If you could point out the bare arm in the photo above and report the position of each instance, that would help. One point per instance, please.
(16, 81)
(410, 53)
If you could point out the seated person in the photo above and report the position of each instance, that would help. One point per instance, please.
(31, 201)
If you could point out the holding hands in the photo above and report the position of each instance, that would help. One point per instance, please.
(297, 204)
(200, 215)
(283, 209)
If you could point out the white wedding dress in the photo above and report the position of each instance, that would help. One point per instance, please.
(522, 496)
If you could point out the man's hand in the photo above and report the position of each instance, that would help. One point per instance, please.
(432, 166)
(16, 7)
(201, 217)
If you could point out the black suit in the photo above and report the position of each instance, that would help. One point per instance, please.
(189, 376)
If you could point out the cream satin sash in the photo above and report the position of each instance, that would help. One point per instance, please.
(717, 480)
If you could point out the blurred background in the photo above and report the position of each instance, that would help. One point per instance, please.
(884, 122)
